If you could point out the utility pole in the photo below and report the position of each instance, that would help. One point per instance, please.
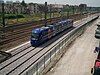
(61, 14)
(68, 13)
(73, 9)
(46, 9)
(50, 11)
(3, 21)
(17, 14)
(3, 15)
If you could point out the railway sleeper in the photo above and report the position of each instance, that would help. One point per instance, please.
(4, 56)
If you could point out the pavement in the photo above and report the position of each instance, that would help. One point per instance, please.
(79, 58)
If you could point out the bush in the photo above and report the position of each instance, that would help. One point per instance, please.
(20, 16)
(13, 16)
(0, 15)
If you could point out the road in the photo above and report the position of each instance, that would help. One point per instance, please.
(79, 58)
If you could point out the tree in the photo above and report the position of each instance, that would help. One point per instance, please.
(24, 6)
(41, 8)
(23, 3)
(82, 7)
(65, 8)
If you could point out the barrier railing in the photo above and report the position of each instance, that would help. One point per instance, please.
(54, 53)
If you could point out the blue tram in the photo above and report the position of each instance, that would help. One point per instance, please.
(40, 35)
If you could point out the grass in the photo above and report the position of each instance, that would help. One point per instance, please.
(32, 17)
(28, 18)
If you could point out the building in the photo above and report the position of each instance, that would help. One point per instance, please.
(57, 7)
(33, 7)
(30, 8)
(9, 7)
(1, 1)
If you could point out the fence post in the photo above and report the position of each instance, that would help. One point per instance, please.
(44, 62)
(37, 69)
(50, 56)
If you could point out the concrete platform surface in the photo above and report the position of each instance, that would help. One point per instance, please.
(79, 58)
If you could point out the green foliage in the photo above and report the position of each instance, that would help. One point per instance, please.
(12, 16)
(20, 16)
(23, 3)
(0, 15)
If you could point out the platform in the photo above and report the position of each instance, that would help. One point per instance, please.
(79, 58)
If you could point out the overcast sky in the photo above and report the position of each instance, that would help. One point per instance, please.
(95, 3)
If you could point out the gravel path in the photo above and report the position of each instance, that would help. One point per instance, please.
(79, 59)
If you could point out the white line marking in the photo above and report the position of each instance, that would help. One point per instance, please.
(18, 46)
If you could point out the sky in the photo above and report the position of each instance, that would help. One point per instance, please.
(94, 3)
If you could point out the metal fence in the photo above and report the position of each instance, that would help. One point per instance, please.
(53, 54)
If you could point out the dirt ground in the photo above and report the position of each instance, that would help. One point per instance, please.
(79, 58)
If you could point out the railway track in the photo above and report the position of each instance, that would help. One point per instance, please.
(22, 34)
(16, 36)
(25, 56)
(22, 54)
